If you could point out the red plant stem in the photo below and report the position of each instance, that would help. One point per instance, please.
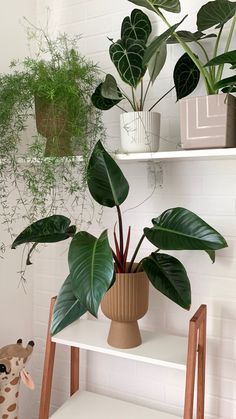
(135, 253)
(121, 236)
(119, 266)
(117, 247)
(127, 245)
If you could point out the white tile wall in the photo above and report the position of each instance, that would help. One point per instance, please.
(207, 188)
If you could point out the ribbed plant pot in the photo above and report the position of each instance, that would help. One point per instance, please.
(125, 303)
(208, 121)
(140, 132)
(51, 124)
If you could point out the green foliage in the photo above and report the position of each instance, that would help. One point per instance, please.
(186, 76)
(128, 55)
(212, 14)
(228, 84)
(92, 261)
(59, 81)
(106, 181)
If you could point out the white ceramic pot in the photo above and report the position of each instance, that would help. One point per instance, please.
(140, 132)
(208, 121)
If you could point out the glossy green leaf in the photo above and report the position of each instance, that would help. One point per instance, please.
(47, 230)
(215, 13)
(168, 275)
(137, 26)
(106, 182)
(186, 76)
(212, 255)
(181, 229)
(91, 268)
(100, 102)
(188, 36)
(227, 85)
(157, 62)
(67, 308)
(158, 42)
(168, 5)
(110, 89)
(128, 59)
(226, 58)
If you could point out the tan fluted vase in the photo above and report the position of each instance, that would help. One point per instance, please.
(124, 304)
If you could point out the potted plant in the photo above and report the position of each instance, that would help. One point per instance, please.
(101, 273)
(54, 88)
(140, 128)
(209, 116)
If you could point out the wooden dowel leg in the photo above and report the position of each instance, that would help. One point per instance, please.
(48, 370)
(201, 370)
(190, 373)
(74, 370)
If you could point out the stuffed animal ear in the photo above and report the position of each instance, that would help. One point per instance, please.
(27, 379)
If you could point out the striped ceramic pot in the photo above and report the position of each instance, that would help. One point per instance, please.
(140, 132)
(208, 121)
(125, 303)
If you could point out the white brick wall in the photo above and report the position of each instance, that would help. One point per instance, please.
(207, 188)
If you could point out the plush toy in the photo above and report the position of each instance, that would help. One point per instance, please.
(12, 368)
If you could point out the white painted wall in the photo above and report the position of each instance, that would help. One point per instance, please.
(204, 187)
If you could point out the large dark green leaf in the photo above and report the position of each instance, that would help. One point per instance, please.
(186, 76)
(157, 62)
(226, 58)
(137, 26)
(106, 182)
(48, 230)
(67, 308)
(100, 102)
(91, 268)
(169, 5)
(128, 59)
(168, 275)
(158, 42)
(215, 13)
(188, 36)
(181, 229)
(110, 90)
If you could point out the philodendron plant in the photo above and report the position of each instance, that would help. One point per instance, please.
(190, 66)
(93, 261)
(127, 55)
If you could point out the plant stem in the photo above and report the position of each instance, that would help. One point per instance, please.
(162, 97)
(135, 253)
(145, 96)
(141, 98)
(116, 261)
(120, 107)
(121, 235)
(231, 32)
(134, 101)
(216, 51)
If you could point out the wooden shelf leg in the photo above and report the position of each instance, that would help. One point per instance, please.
(48, 370)
(201, 370)
(74, 370)
(196, 350)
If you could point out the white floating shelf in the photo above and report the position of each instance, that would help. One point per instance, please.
(207, 154)
(86, 405)
(159, 349)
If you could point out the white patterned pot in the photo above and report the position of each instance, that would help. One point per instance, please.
(208, 121)
(140, 132)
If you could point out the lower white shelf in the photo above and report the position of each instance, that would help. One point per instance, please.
(87, 405)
